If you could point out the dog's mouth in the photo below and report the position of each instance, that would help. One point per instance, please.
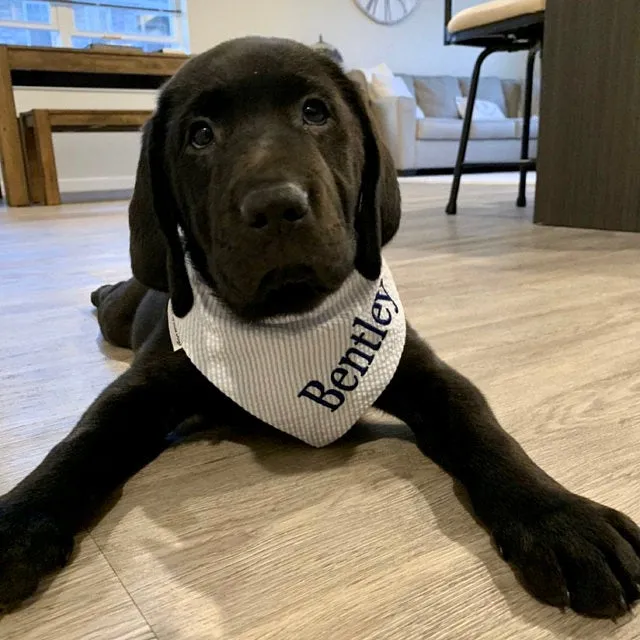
(288, 290)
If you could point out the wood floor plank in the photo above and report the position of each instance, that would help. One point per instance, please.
(244, 536)
(84, 602)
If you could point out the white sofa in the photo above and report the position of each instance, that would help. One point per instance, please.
(430, 144)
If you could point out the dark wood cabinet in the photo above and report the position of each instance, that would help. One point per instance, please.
(589, 147)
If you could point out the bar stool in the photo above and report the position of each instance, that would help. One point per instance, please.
(499, 25)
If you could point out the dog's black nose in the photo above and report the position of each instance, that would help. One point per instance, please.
(269, 206)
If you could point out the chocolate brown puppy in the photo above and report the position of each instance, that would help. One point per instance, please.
(263, 166)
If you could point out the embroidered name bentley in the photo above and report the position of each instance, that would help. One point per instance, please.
(312, 375)
(356, 361)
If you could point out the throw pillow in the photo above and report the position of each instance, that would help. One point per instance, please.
(489, 88)
(437, 95)
(382, 70)
(482, 110)
(393, 87)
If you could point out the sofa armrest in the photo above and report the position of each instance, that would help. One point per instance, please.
(397, 120)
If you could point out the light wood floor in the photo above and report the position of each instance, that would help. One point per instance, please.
(261, 539)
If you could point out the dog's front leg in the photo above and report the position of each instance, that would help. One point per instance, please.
(569, 551)
(123, 430)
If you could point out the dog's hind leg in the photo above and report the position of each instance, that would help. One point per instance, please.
(117, 305)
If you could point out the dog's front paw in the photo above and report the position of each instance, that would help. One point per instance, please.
(31, 546)
(577, 554)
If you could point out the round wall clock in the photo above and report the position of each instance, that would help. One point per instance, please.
(387, 11)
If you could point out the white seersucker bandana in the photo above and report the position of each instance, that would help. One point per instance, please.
(311, 375)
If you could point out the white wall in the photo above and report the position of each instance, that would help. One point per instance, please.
(91, 161)
(100, 161)
(414, 45)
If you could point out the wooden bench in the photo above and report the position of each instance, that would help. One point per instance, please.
(37, 127)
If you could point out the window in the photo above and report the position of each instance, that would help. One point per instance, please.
(30, 23)
(148, 24)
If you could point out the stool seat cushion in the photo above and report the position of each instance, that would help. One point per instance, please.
(492, 12)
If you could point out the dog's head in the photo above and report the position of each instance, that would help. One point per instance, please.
(264, 164)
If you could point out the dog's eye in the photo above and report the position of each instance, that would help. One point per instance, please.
(315, 112)
(201, 135)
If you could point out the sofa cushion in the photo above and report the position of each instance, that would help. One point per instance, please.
(512, 94)
(489, 88)
(533, 130)
(439, 129)
(535, 100)
(493, 129)
(392, 87)
(436, 95)
(382, 70)
(451, 129)
(410, 82)
(482, 110)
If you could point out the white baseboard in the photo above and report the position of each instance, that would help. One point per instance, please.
(98, 183)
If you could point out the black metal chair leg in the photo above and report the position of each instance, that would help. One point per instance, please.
(526, 127)
(452, 206)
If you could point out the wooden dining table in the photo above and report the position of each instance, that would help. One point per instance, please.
(57, 67)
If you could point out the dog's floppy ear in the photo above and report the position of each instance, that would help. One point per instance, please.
(157, 253)
(147, 244)
(378, 214)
